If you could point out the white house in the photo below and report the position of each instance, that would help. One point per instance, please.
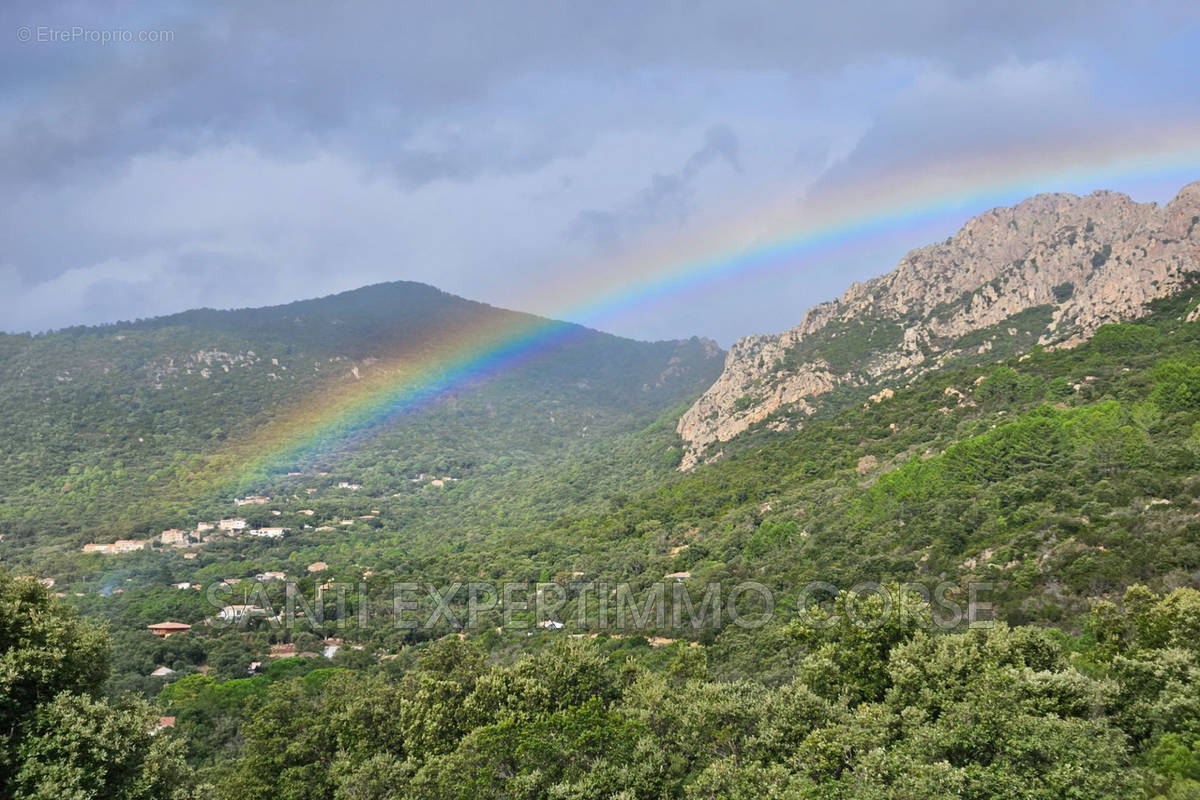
(238, 612)
(268, 533)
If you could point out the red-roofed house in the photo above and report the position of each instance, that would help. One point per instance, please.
(165, 629)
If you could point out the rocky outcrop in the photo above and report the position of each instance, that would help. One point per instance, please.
(1049, 270)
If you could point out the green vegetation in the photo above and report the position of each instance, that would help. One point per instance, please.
(118, 431)
(846, 345)
(885, 709)
(1063, 479)
(58, 737)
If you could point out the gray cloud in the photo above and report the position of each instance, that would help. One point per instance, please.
(942, 116)
(666, 200)
(289, 149)
(267, 72)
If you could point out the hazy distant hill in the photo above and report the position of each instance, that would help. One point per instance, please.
(111, 429)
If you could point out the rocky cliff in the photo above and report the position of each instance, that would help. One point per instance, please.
(1049, 270)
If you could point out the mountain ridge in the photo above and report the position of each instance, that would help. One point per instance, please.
(373, 291)
(1048, 271)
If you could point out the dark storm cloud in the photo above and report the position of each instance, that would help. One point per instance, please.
(287, 74)
(477, 145)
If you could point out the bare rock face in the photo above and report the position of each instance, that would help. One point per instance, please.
(1049, 271)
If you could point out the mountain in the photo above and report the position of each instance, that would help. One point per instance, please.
(118, 430)
(1048, 271)
(1054, 485)
(1059, 487)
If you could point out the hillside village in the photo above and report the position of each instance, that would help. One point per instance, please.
(206, 532)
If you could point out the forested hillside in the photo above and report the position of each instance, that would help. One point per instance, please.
(115, 432)
(1060, 483)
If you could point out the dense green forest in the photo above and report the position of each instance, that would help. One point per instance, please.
(887, 710)
(1063, 480)
(115, 431)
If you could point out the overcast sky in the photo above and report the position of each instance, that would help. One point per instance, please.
(274, 151)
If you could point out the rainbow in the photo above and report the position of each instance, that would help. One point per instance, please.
(421, 373)
(759, 241)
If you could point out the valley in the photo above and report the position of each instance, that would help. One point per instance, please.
(236, 496)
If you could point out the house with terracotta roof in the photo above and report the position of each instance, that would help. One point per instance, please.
(163, 723)
(165, 629)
